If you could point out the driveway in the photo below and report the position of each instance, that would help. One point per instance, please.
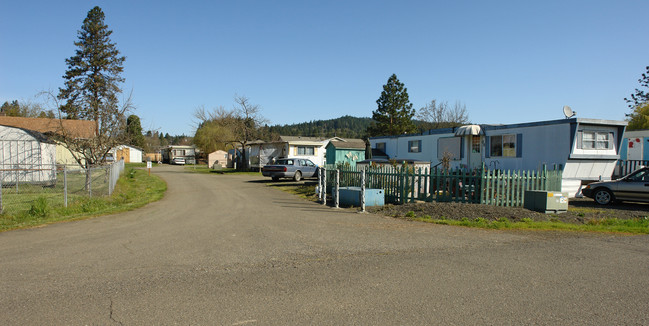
(227, 250)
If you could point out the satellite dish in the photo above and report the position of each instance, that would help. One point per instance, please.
(568, 112)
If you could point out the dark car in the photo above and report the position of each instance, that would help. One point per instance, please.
(633, 187)
(295, 168)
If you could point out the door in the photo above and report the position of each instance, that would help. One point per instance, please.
(475, 151)
(308, 168)
(634, 149)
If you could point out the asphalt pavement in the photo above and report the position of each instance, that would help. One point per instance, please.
(229, 250)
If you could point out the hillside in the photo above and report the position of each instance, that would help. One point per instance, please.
(345, 127)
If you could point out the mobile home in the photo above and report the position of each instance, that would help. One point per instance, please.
(586, 149)
(187, 152)
(260, 153)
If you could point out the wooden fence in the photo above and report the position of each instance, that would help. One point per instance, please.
(405, 184)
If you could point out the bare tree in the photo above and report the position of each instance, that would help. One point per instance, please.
(440, 115)
(220, 127)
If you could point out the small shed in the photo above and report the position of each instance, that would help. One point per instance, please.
(217, 159)
(345, 151)
(130, 154)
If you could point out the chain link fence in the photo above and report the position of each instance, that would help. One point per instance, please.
(60, 185)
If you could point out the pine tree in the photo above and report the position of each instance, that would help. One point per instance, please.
(394, 113)
(91, 87)
(134, 131)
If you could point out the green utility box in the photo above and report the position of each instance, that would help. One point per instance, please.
(546, 201)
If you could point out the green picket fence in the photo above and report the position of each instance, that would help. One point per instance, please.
(402, 184)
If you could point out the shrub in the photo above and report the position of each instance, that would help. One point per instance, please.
(39, 207)
(410, 214)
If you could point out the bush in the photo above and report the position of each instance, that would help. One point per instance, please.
(40, 207)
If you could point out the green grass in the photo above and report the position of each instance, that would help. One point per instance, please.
(135, 188)
(631, 226)
(140, 165)
(306, 191)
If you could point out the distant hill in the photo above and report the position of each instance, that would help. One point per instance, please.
(345, 127)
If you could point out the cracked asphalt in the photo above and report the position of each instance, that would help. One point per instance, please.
(227, 250)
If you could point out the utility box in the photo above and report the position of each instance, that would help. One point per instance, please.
(546, 201)
(351, 196)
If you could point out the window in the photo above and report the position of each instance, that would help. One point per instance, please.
(414, 146)
(380, 146)
(640, 176)
(449, 147)
(179, 152)
(503, 146)
(475, 144)
(595, 140)
(305, 150)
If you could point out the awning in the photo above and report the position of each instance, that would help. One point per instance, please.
(469, 130)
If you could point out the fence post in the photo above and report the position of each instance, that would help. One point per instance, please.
(363, 190)
(324, 187)
(110, 178)
(337, 189)
(89, 180)
(65, 185)
(320, 169)
(1, 207)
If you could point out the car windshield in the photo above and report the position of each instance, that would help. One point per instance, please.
(640, 176)
(285, 162)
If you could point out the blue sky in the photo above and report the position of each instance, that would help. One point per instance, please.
(508, 61)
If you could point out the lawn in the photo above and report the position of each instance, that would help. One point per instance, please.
(43, 205)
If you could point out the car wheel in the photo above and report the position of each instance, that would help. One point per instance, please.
(275, 178)
(297, 176)
(603, 196)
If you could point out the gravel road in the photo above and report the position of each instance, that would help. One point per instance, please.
(229, 250)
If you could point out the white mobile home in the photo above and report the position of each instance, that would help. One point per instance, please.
(187, 152)
(586, 149)
(260, 153)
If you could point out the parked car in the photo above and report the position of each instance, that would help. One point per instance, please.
(178, 161)
(295, 168)
(633, 187)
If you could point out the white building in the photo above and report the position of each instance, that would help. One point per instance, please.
(26, 157)
(130, 154)
(262, 153)
(586, 149)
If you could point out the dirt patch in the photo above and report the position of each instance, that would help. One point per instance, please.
(580, 210)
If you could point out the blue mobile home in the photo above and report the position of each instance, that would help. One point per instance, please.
(586, 149)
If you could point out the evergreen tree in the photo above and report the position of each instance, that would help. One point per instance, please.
(394, 113)
(91, 87)
(134, 131)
